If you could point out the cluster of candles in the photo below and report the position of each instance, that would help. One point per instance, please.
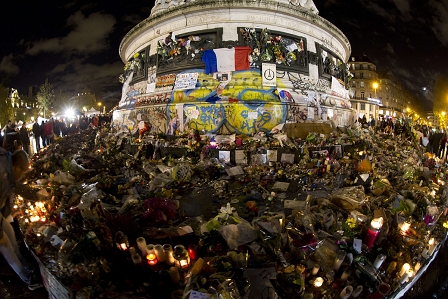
(34, 213)
(179, 257)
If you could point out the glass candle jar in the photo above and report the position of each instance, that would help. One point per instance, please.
(121, 241)
(339, 259)
(152, 259)
(181, 257)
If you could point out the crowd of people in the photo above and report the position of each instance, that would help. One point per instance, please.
(433, 139)
(45, 132)
(15, 150)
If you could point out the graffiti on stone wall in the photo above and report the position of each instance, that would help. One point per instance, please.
(156, 116)
(242, 118)
(297, 114)
(237, 100)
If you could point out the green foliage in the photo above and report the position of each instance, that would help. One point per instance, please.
(6, 109)
(45, 96)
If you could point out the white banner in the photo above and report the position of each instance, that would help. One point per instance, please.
(186, 81)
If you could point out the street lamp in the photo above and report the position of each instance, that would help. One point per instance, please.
(375, 86)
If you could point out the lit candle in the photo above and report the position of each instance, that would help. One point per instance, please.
(404, 277)
(432, 246)
(160, 254)
(182, 259)
(141, 243)
(152, 259)
(150, 249)
(192, 251)
(404, 268)
(339, 259)
(404, 228)
(379, 261)
(169, 258)
(122, 241)
(373, 231)
(346, 292)
(318, 282)
(417, 267)
(315, 270)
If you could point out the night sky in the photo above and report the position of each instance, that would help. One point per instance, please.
(75, 44)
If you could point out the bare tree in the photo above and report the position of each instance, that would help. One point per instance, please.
(45, 96)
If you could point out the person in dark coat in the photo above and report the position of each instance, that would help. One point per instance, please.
(36, 134)
(11, 135)
(25, 138)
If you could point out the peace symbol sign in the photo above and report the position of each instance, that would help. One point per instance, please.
(269, 74)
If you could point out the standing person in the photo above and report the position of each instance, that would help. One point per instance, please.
(42, 133)
(11, 135)
(25, 138)
(36, 133)
(12, 170)
(57, 128)
(48, 131)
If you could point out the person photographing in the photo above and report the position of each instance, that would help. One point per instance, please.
(12, 170)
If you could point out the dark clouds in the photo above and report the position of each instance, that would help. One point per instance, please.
(75, 44)
(407, 38)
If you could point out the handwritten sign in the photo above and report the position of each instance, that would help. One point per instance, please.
(199, 295)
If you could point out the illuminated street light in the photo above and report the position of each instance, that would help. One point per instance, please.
(375, 86)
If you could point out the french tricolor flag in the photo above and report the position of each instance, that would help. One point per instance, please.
(226, 60)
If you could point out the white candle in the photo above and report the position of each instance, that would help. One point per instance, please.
(132, 251)
(160, 254)
(141, 243)
(136, 258)
(417, 267)
(150, 249)
(379, 261)
(346, 292)
(169, 258)
(410, 273)
(339, 259)
(432, 246)
(405, 268)
(174, 273)
(404, 277)
(315, 270)
(357, 291)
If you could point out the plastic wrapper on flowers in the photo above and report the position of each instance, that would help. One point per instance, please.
(270, 236)
(235, 230)
(351, 198)
(215, 277)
